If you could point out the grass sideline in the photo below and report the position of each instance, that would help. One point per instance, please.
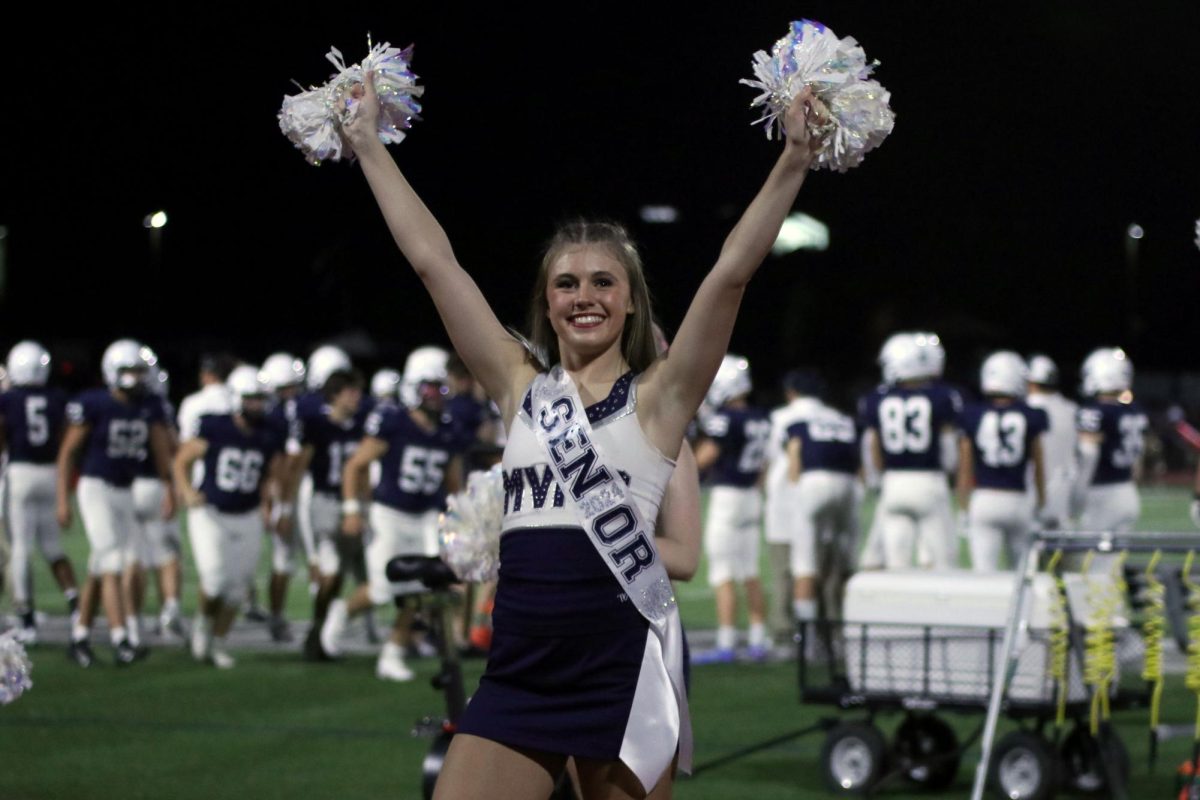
(276, 727)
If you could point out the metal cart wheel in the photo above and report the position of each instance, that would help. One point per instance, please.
(1023, 767)
(923, 739)
(853, 757)
(1084, 758)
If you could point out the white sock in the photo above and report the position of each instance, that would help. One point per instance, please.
(391, 652)
(170, 607)
(726, 637)
(79, 633)
(135, 629)
(805, 610)
(758, 634)
(116, 635)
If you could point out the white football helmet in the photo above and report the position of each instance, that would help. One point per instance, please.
(244, 382)
(28, 364)
(385, 384)
(1005, 373)
(281, 370)
(324, 361)
(1106, 370)
(423, 365)
(123, 366)
(1043, 370)
(912, 356)
(732, 380)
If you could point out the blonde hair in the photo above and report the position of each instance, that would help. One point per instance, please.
(637, 337)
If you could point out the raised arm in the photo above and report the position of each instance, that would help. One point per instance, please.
(679, 381)
(494, 357)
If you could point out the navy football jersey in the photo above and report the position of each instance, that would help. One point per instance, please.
(333, 443)
(413, 470)
(466, 414)
(742, 435)
(146, 468)
(1002, 437)
(828, 441)
(236, 462)
(908, 422)
(119, 436)
(33, 423)
(1123, 426)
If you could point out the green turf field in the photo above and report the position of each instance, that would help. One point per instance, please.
(276, 727)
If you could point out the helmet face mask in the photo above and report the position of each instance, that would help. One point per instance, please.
(125, 367)
(249, 393)
(423, 365)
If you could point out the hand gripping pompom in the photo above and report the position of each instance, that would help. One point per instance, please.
(469, 531)
(839, 73)
(14, 669)
(312, 119)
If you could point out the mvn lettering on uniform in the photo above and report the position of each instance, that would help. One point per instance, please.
(540, 481)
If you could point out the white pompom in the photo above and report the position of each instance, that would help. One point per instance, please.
(14, 669)
(311, 119)
(469, 531)
(839, 74)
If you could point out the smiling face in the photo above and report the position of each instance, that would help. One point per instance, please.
(588, 299)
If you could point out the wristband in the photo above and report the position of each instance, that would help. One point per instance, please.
(351, 507)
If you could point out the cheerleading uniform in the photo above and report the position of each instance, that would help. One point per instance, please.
(574, 667)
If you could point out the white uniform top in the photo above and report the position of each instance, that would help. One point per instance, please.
(778, 513)
(211, 399)
(532, 496)
(1058, 443)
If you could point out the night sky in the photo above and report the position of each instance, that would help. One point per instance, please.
(1028, 137)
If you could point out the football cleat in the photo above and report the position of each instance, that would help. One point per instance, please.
(393, 669)
(718, 655)
(333, 628)
(222, 660)
(124, 653)
(81, 653)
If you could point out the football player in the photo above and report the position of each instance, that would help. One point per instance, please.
(31, 427)
(734, 450)
(801, 388)
(1112, 429)
(1001, 437)
(822, 462)
(912, 426)
(114, 428)
(1058, 443)
(243, 453)
(325, 440)
(283, 376)
(154, 543)
(417, 449)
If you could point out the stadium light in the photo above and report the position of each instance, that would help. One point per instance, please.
(801, 232)
(1134, 231)
(659, 215)
(156, 220)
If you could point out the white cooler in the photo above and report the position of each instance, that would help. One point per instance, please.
(926, 634)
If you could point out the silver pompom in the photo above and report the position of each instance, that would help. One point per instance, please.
(14, 669)
(469, 531)
(839, 74)
(312, 118)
